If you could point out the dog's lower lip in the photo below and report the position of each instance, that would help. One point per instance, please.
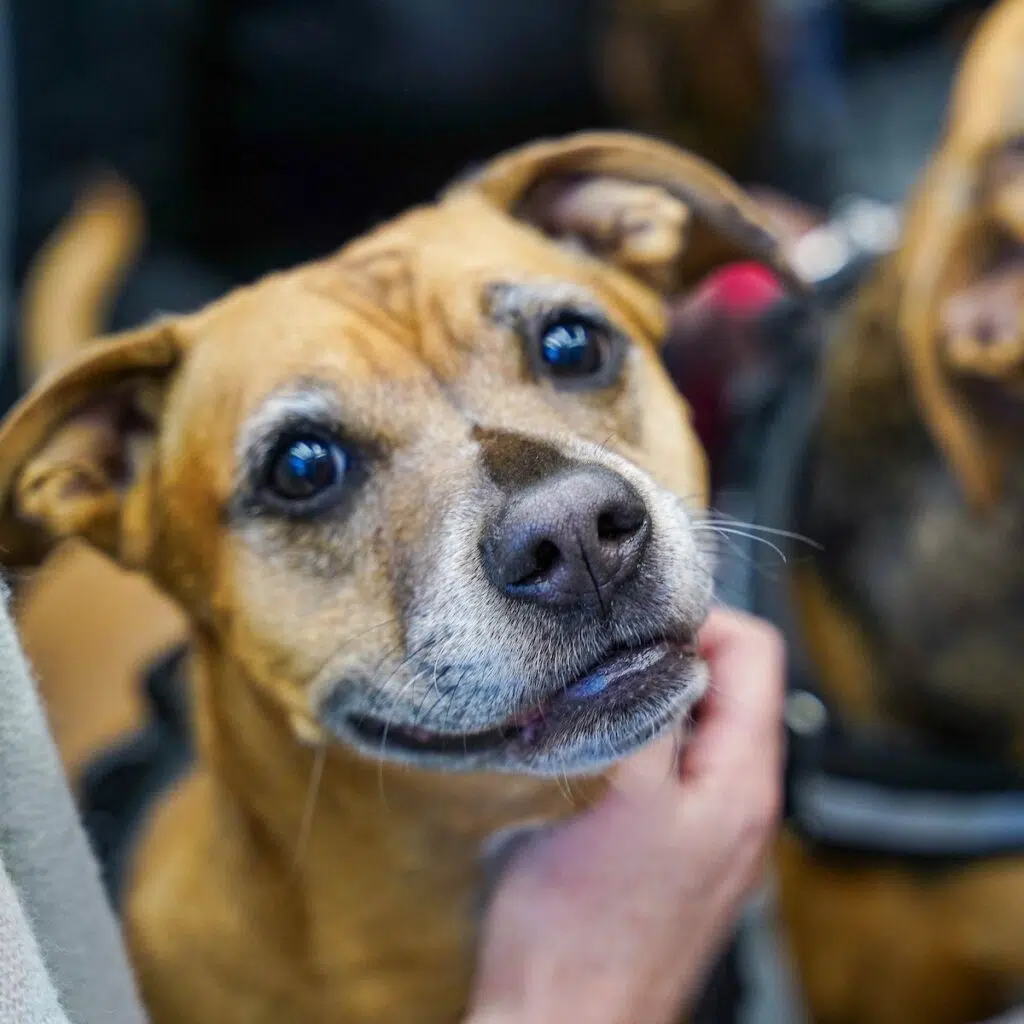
(614, 669)
(601, 681)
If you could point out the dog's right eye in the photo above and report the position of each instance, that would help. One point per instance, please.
(575, 351)
(304, 469)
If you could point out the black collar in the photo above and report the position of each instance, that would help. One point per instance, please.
(851, 790)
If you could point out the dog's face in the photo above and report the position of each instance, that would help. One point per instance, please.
(961, 265)
(435, 494)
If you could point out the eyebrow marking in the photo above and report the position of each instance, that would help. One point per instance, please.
(517, 303)
(302, 402)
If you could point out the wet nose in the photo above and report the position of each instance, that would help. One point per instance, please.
(572, 539)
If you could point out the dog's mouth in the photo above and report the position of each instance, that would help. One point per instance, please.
(627, 697)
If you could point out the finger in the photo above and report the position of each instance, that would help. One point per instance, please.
(746, 659)
(743, 710)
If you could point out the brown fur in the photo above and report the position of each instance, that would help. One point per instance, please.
(291, 876)
(89, 679)
(911, 612)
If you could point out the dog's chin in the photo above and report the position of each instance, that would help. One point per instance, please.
(616, 706)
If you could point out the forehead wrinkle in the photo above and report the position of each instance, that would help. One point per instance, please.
(425, 339)
(349, 339)
(345, 286)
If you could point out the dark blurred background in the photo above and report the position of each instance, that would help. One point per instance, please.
(263, 132)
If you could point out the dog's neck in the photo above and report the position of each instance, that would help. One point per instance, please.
(357, 845)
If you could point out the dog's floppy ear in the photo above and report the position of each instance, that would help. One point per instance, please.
(982, 318)
(961, 310)
(663, 215)
(74, 453)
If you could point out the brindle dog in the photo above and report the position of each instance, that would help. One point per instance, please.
(913, 610)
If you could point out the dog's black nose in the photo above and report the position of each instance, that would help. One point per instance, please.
(571, 539)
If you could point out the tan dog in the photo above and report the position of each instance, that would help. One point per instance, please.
(912, 611)
(429, 506)
(692, 71)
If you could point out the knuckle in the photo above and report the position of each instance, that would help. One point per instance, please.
(770, 639)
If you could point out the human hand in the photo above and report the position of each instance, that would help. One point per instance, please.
(615, 917)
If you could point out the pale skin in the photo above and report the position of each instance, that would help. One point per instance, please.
(616, 917)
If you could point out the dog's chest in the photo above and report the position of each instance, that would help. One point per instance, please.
(939, 586)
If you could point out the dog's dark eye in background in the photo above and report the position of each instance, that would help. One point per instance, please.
(305, 469)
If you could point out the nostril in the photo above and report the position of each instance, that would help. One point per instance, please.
(610, 528)
(620, 522)
(544, 558)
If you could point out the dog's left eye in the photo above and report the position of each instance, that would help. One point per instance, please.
(303, 468)
(571, 347)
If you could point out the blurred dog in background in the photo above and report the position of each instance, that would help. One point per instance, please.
(913, 486)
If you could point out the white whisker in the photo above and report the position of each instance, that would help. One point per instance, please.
(756, 528)
(724, 532)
